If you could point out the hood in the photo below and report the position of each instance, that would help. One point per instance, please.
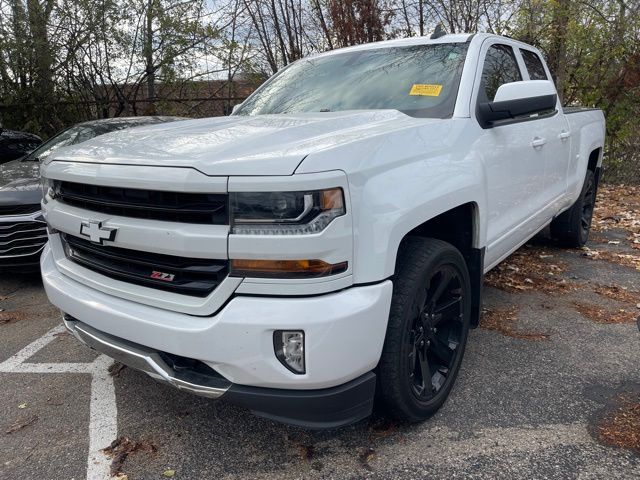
(20, 183)
(236, 145)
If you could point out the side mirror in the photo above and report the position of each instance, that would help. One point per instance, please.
(518, 100)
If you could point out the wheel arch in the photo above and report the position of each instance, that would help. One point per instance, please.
(460, 227)
(595, 163)
(594, 159)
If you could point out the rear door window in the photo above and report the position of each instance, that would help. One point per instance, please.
(534, 65)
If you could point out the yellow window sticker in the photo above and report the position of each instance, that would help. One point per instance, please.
(426, 90)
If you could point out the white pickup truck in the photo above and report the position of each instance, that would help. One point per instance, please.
(327, 242)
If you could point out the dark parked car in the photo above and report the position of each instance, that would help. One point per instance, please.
(22, 228)
(14, 144)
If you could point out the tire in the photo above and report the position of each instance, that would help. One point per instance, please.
(571, 228)
(423, 265)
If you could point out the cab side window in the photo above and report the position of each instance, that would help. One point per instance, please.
(500, 67)
(534, 65)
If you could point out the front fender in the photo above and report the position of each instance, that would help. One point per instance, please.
(400, 178)
(402, 199)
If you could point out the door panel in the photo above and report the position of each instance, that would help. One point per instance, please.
(514, 158)
(557, 158)
(515, 178)
(557, 133)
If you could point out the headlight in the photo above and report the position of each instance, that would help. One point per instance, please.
(285, 213)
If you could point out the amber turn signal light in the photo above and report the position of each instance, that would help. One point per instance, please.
(332, 199)
(285, 268)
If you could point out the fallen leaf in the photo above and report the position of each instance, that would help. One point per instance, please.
(20, 424)
(624, 259)
(121, 448)
(502, 319)
(618, 207)
(599, 314)
(383, 429)
(115, 368)
(10, 317)
(22, 406)
(616, 292)
(169, 473)
(621, 427)
(528, 270)
(366, 456)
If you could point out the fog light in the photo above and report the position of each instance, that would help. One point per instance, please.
(289, 348)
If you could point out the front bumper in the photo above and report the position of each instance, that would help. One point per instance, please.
(344, 331)
(324, 408)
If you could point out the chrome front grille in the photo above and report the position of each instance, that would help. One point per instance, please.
(21, 238)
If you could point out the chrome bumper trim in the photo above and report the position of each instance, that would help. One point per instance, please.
(138, 357)
(23, 217)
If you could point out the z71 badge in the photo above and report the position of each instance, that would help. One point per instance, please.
(165, 277)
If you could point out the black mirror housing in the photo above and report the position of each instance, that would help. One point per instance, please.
(490, 112)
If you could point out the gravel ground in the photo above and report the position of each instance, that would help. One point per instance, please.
(534, 391)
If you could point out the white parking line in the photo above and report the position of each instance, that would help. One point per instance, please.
(103, 412)
(27, 352)
(103, 418)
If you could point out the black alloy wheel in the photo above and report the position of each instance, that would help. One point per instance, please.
(571, 228)
(588, 204)
(436, 333)
(427, 330)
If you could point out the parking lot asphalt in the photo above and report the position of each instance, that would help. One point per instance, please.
(558, 353)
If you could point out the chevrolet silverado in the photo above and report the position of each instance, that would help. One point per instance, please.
(325, 244)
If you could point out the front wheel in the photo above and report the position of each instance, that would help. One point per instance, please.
(428, 328)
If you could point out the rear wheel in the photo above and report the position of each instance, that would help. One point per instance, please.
(572, 227)
(427, 330)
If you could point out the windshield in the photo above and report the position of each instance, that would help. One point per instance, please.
(421, 81)
(83, 132)
(60, 140)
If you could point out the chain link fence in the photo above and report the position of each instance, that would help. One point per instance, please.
(46, 119)
(622, 164)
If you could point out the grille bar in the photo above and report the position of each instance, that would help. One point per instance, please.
(188, 276)
(20, 239)
(23, 240)
(18, 233)
(201, 208)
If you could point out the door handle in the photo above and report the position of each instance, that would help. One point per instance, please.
(564, 135)
(538, 142)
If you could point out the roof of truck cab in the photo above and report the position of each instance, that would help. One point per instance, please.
(425, 40)
(400, 42)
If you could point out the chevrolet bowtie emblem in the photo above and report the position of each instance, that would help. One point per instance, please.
(96, 232)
